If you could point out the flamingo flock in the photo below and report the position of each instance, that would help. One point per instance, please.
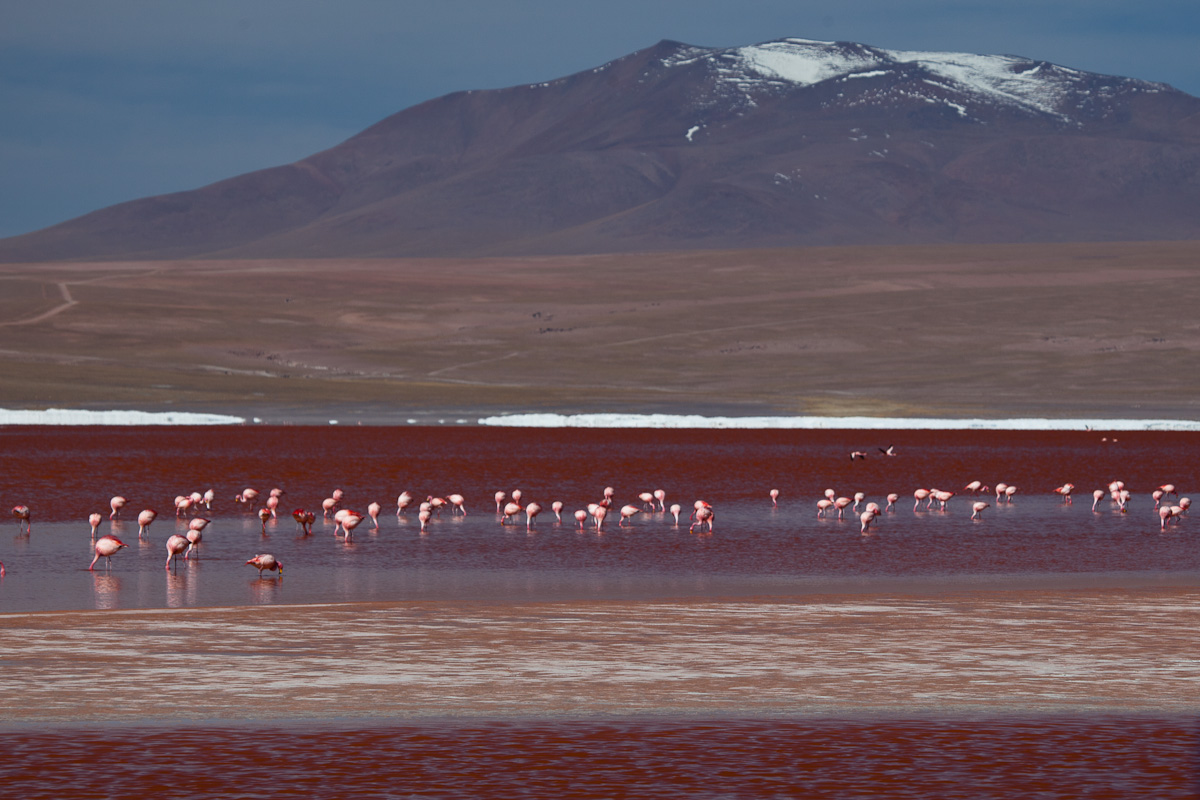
(701, 519)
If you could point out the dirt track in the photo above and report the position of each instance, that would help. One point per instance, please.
(1028, 330)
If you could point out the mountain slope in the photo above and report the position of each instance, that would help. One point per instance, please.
(791, 142)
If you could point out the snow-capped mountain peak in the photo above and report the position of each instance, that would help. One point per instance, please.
(1013, 81)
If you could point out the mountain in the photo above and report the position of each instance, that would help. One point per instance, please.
(790, 142)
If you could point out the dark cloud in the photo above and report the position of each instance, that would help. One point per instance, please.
(110, 101)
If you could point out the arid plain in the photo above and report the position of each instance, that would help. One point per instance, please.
(1055, 330)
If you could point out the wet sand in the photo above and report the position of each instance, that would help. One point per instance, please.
(1027, 652)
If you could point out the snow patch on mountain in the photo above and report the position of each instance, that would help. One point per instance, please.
(1012, 81)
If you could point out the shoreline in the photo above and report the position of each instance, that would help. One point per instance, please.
(997, 652)
(689, 421)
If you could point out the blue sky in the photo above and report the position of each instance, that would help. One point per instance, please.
(103, 101)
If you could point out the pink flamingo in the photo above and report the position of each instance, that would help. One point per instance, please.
(977, 509)
(943, 498)
(247, 497)
(272, 505)
(207, 498)
(350, 522)
(329, 506)
(774, 498)
(1097, 496)
(1164, 514)
(1157, 496)
(858, 498)
(1001, 488)
(675, 509)
(510, 511)
(599, 514)
(301, 517)
(516, 496)
(1169, 488)
(557, 507)
(457, 503)
(608, 493)
(866, 518)
(581, 517)
(891, 501)
(661, 495)
(1065, 492)
(268, 562)
(94, 521)
(703, 514)
(531, 511)
(264, 514)
(627, 512)
(338, 495)
(182, 505)
(435, 504)
(841, 504)
(145, 517)
(106, 546)
(500, 497)
(22, 515)
(1009, 491)
(116, 504)
(918, 496)
(423, 517)
(975, 486)
(373, 512)
(647, 499)
(196, 533)
(1185, 503)
(402, 502)
(176, 544)
(823, 505)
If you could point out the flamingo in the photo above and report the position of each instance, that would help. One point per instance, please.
(350, 522)
(510, 511)
(581, 517)
(116, 504)
(703, 514)
(831, 494)
(1164, 514)
(402, 502)
(1185, 503)
(977, 509)
(182, 505)
(272, 505)
(1157, 496)
(866, 518)
(94, 521)
(1009, 491)
(106, 546)
(608, 493)
(197, 498)
(891, 501)
(1065, 491)
(500, 498)
(647, 499)
(943, 498)
(264, 514)
(196, 533)
(329, 506)
(660, 495)
(675, 509)
(858, 498)
(207, 499)
(1097, 496)
(599, 514)
(458, 503)
(373, 512)
(516, 496)
(22, 515)
(841, 504)
(557, 507)
(918, 496)
(1169, 488)
(974, 487)
(823, 505)
(176, 544)
(145, 517)
(531, 511)
(248, 496)
(1001, 488)
(423, 517)
(874, 509)
(435, 504)
(627, 512)
(337, 495)
(774, 498)
(302, 519)
(268, 562)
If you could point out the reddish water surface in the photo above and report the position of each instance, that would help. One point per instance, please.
(1084, 757)
(754, 551)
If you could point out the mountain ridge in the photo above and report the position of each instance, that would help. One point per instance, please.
(784, 143)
